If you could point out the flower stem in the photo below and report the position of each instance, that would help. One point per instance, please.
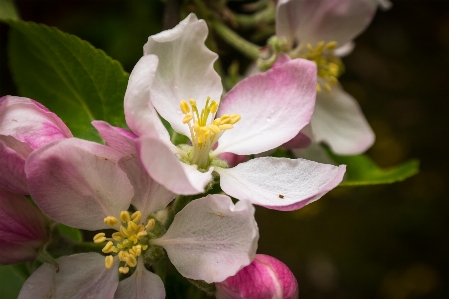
(180, 202)
(249, 49)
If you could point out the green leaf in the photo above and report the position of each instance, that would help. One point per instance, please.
(68, 75)
(8, 10)
(361, 170)
(72, 233)
(11, 283)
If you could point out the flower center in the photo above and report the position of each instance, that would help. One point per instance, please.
(202, 134)
(128, 242)
(329, 66)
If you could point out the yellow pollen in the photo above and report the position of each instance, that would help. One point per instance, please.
(128, 243)
(111, 221)
(123, 270)
(329, 66)
(109, 261)
(124, 216)
(205, 129)
(99, 238)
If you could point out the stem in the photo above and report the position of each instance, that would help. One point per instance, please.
(249, 49)
(47, 258)
(180, 202)
(265, 16)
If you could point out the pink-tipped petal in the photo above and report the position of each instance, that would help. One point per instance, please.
(30, 122)
(142, 284)
(140, 114)
(280, 183)
(12, 164)
(312, 21)
(265, 278)
(80, 276)
(149, 196)
(16, 253)
(165, 168)
(233, 159)
(274, 106)
(20, 221)
(339, 122)
(211, 238)
(185, 70)
(78, 183)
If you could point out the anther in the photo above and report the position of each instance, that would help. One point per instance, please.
(192, 102)
(111, 221)
(187, 118)
(150, 224)
(99, 238)
(184, 107)
(109, 261)
(124, 216)
(132, 226)
(117, 236)
(225, 127)
(141, 234)
(136, 216)
(131, 260)
(109, 247)
(123, 270)
(331, 45)
(124, 232)
(235, 118)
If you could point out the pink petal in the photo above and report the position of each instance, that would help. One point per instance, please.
(16, 253)
(149, 196)
(265, 278)
(185, 70)
(312, 21)
(233, 159)
(280, 183)
(302, 140)
(30, 122)
(142, 284)
(339, 122)
(12, 163)
(80, 276)
(211, 238)
(78, 183)
(20, 221)
(165, 168)
(274, 106)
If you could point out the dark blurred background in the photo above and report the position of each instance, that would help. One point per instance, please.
(389, 241)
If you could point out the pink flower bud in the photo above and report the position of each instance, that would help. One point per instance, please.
(24, 126)
(265, 278)
(22, 229)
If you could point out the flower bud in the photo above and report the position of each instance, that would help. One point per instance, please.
(265, 278)
(24, 126)
(22, 229)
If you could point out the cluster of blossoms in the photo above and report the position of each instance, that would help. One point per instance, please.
(156, 195)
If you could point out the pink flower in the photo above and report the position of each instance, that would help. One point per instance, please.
(91, 186)
(258, 114)
(23, 229)
(322, 31)
(265, 278)
(24, 126)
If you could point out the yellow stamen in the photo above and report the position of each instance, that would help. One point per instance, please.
(124, 216)
(136, 216)
(226, 127)
(187, 118)
(117, 236)
(123, 270)
(184, 107)
(109, 261)
(111, 221)
(99, 238)
(109, 247)
(150, 224)
(131, 260)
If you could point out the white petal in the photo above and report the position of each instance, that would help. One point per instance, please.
(78, 183)
(211, 238)
(339, 122)
(165, 168)
(142, 284)
(80, 276)
(315, 152)
(280, 183)
(185, 70)
(140, 114)
(274, 106)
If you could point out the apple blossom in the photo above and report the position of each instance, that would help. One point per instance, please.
(24, 126)
(91, 186)
(265, 278)
(258, 114)
(322, 31)
(23, 229)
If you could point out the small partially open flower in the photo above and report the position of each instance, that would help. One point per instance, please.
(22, 229)
(265, 278)
(24, 126)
